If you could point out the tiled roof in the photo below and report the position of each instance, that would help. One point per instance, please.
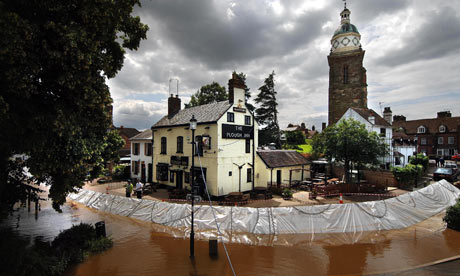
(144, 135)
(366, 113)
(282, 158)
(410, 127)
(127, 131)
(206, 113)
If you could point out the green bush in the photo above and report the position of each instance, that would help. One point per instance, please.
(44, 258)
(419, 159)
(452, 217)
(287, 193)
(406, 175)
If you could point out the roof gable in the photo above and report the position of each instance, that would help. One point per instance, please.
(366, 113)
(144, 135)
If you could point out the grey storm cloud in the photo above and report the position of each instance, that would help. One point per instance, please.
(438, 37)
(201, 41)
(203, 32)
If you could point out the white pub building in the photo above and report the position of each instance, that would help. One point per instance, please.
(226, 139)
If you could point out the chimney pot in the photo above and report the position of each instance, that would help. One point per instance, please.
(173, 105)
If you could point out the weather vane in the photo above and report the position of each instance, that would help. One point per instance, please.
(345, 2)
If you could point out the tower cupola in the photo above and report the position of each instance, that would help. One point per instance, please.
(346, 37)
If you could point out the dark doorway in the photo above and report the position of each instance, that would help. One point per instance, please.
(143, 172)
(150, 173)
(278, 178)
(179, 181)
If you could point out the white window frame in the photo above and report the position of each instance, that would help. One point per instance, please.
(421, 129)
(442, 128)
(450, 140)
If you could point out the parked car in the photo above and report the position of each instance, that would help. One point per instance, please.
(444, 173)
(456, 157)
(453, 166)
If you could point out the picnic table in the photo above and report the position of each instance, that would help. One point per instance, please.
(261, 191)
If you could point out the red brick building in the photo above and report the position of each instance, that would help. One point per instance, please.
(435, 137)
(126, 133)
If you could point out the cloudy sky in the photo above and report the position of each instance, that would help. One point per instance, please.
(412, 55)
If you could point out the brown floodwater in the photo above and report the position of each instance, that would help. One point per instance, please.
(144, 248)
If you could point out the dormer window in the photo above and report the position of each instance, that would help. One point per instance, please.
(442, 128)
(421, 129)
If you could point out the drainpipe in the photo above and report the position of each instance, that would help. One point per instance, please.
(152, 155)
(271, 177)
(253, 152)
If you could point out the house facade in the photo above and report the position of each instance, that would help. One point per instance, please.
(435, 136)
(374, 122)
(141, 156)
(226, 139)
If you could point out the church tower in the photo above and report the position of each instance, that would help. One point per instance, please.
(347, 76)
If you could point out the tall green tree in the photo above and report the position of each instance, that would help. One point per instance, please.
(350, 142)
(247, 92)
(55, 105)
(267, 112)
(208, 93)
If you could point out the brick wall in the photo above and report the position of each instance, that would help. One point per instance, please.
(345, 95)
(374, 177)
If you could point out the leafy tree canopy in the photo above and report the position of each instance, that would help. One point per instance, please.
(267, 112)
(55, 106)
(208, 93)
(350, 142)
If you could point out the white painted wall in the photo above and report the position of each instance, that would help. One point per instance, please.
(141, 157)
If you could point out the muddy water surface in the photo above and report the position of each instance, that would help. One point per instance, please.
(142, 248)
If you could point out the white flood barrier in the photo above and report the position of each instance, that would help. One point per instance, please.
(393, 213)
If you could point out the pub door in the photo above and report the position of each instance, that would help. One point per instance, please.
(179, 180)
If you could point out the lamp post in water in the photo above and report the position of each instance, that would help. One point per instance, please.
(193, 122)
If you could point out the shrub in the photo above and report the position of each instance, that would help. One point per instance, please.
(420, 159)
(44, 258)
(452, 217)
(287, 193)
(406, 176)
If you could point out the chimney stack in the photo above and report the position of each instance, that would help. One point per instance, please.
(444, 114)
(388, 115)
(399, 118)
(235, 82)
(173, 105)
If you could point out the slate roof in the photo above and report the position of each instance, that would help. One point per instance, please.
(452, 124)
(144, 135)
(207, 113)
(127, 131)
(282, 158)
(366, 113)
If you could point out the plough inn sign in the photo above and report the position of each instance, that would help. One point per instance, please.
(237, 132)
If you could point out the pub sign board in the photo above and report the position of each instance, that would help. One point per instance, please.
(237, 132)
(179, 160)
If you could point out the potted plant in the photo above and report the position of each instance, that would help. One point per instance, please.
(286, 194)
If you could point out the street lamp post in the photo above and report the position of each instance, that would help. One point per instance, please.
(193, 123)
